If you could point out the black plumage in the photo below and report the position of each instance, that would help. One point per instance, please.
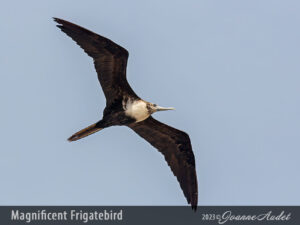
(123, 105)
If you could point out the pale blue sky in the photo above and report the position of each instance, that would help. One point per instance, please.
(230, 68)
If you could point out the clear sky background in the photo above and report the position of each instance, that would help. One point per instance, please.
(230, 68)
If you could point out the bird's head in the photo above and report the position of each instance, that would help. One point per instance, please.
(152, 108)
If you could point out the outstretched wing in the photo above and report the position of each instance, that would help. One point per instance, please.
(176, 147)
(110, 59)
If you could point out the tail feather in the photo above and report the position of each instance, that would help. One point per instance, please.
(85, 132)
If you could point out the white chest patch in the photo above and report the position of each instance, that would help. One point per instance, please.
(136, 109)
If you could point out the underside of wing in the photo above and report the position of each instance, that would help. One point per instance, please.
(110, 59)
(176, 147)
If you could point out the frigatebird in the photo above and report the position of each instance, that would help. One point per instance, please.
(124, 107)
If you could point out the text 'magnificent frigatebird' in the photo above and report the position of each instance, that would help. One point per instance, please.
(124, 107)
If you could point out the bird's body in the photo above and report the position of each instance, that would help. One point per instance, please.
(124, 107)
(136, 109)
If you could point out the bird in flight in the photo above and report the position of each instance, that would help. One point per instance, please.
(124, 107)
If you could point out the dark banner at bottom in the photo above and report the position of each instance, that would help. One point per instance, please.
(145, 215)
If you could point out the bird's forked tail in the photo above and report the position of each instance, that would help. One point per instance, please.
(85, 132)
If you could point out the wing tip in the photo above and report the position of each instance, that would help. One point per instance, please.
(57, 20)
(194, 201)
(194, 207)
(62, 23)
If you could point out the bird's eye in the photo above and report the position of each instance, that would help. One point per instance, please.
(154, 105)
